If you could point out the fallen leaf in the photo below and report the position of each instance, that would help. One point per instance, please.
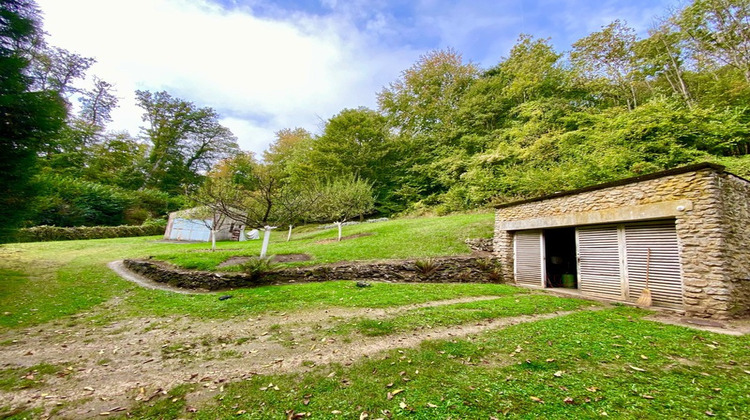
(241, 412)
(364, 415)
(592, 389)
(558, 374)
(637, 369)
(88, 388)
(537, 399)
(710, 413)
(648, 397)
(550, 360)
(402, 405)
(397, 391)
(568, 400)
(644, 357)
(335, 412)
(431, 405)
(389, 385)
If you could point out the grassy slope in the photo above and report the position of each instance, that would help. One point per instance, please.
(400, 238)
(45, 281)
(597, 356)
(586, 365)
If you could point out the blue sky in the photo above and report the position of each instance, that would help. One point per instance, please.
(268, 65)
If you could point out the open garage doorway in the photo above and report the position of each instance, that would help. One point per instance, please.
(560, 249)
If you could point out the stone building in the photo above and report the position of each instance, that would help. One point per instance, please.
(686, 231)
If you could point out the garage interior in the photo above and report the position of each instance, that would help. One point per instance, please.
(560, 249)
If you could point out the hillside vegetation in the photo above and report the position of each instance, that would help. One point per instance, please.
(447, 135)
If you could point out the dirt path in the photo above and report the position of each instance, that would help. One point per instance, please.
(119, 268)
(127, 361)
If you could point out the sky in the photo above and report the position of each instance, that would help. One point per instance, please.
(267, 65)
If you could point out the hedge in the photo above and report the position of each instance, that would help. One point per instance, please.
(54, 233)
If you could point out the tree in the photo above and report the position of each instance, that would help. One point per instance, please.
(660, 56)
(56, 68)
(288, 142)
(29, 118)
(609, 54)
(220, 197)
(342, 199)
(243, 189)
(420, 107)
(97, 104)
(185, 140)
(718, 33)
(423, 97)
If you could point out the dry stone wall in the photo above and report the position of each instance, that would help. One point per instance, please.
(736, 221)
(713, 233)
(437, 270)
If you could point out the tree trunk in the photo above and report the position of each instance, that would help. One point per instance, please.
(289, 235)
(213, 240)
(339, 224)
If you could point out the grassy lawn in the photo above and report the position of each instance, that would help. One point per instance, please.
(400, 238)
(585, 365)
(607, 362)
(40, 282)
(462, 313)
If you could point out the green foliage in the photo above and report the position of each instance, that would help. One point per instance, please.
(185, 140)
(426, 267)
(401, 238)
(54, 233)
(256, 267)
(29, 117)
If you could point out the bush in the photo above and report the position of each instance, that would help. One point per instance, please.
(256, 267)
(54, 233)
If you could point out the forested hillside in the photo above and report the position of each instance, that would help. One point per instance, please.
(447, 135)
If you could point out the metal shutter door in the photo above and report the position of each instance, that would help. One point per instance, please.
(599, 271)
(665, 281)
(529, 269)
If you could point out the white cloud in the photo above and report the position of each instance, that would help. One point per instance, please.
(261, 74)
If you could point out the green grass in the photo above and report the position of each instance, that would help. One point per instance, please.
(45, 281)
(462, 313)
(577, 366)
(400, 238)
(22, 378)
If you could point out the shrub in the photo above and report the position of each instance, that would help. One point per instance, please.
(256, 267)
(426, 267)
(54, 233)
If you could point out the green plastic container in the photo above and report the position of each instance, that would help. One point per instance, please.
(569, 281)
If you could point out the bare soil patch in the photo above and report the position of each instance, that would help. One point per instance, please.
(343, 238)
(127, 361)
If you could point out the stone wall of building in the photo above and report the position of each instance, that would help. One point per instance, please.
(736, 219)
(699, 220)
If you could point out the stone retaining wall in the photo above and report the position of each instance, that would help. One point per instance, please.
(437, 270)
(711, 213)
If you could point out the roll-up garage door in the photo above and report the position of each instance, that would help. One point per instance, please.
(599, 269)
(529, 257)
(664, 278)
